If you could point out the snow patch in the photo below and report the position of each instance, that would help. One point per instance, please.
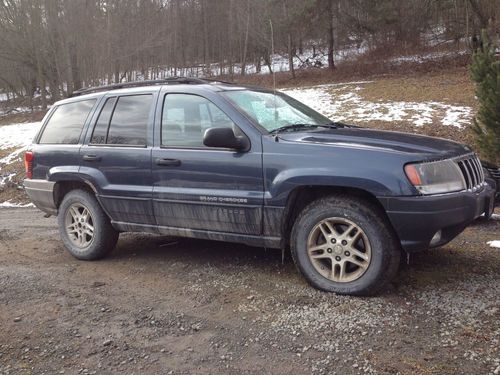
(495, 243)
(4, 179)
(18, 135)
(431, 56)
(16, 110)
(309, 58)
(341, 106)
(8, 204)
(13, 156)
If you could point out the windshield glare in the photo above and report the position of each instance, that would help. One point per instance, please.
(273, 111)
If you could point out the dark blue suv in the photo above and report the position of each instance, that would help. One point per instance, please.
(217, 161)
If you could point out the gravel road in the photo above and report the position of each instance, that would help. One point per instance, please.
(161, 305)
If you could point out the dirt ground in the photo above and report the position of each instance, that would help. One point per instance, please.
(161, 305)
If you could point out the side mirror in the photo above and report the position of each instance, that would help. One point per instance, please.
(225, 138)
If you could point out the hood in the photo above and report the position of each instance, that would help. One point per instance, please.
(382, 140)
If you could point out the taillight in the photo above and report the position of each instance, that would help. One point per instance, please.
(28, 163)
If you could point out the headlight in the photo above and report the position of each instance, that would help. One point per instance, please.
(435, 177)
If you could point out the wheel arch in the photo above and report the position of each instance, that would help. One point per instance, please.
(67, 179)
(63, 187)
(302, 196)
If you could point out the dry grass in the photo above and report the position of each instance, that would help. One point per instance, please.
(450, 86)
(367, 67)
(11, 191)
(6, 151)
(21, 117)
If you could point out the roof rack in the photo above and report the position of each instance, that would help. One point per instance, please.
(166, 81)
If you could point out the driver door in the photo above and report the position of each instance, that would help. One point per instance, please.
(199, 187)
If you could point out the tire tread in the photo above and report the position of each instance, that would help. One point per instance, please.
(106, 236)
(391, 257)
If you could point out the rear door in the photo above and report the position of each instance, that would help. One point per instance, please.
(117, 156)
(198, 187)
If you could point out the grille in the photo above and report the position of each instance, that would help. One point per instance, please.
(472, 171)
(494, 172)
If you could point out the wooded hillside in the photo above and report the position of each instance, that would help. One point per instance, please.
(49, 48)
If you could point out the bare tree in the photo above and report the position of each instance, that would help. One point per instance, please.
(49, 48)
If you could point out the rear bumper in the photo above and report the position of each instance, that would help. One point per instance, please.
(417, 219)
(41, 193)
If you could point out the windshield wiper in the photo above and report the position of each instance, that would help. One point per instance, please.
(292, 127)
(331, 125)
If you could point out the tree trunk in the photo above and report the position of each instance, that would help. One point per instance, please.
(36, 39)
(117, 72)
(329, 12)
(245, 46)
(54, 88)
(206, 59)
(289, 41)
(75, 70)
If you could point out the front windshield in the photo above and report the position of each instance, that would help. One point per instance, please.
(274, 111)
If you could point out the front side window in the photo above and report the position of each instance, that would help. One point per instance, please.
(273, 111)
(185, 118)
(123, 121)
(66, 123)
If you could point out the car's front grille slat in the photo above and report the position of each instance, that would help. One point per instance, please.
(472, 171)
(494, 172)
(475, 172)
(479, 168)
(467, 176)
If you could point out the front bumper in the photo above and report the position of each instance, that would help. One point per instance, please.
(492, 174)
(417, 219)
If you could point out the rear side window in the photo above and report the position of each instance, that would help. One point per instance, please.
(123, 121)
(129, 120)
(66, 123)
(101, 127)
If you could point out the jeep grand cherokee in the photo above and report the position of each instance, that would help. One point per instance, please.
(218, 161)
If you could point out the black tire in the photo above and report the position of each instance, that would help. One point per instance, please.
(385, 248)
(104, 236)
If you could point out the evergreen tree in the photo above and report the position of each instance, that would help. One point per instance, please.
(485, 71)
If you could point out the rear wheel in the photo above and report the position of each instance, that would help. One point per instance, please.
(345, 245)
(84, 227)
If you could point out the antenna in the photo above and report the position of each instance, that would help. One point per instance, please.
(272, 54)
(274, 78)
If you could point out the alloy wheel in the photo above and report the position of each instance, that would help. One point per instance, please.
(79, 225)
(339, 249)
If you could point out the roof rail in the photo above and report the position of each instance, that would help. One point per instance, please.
(166, 81)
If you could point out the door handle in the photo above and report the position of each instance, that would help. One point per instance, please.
(91, 158)
(168, 162)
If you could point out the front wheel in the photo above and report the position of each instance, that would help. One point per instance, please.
(345, 245)
(84, 227)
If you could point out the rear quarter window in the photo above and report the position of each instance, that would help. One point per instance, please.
(66, 123)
